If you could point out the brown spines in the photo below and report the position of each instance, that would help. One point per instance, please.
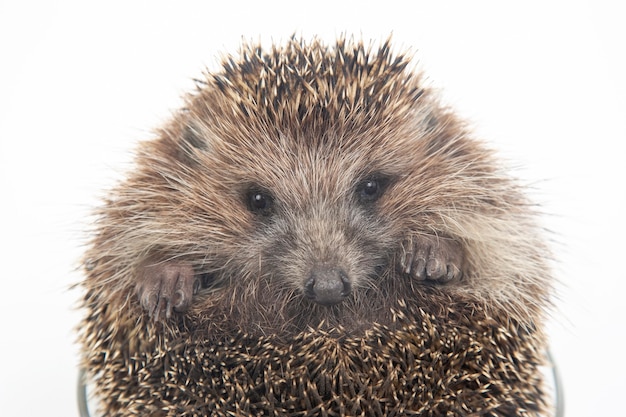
(426, 365)
(304, 85)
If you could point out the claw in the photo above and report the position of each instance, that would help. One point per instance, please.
(164, 288)
(432, 258)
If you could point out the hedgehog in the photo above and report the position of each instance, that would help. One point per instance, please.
(314, 233)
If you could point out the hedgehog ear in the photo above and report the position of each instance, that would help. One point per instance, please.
(189, 143)
(191, 137)
(442, 136)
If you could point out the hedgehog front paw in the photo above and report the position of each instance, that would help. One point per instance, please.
(432, 258)
(166, 287)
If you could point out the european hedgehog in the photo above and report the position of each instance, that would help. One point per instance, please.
(315, 234)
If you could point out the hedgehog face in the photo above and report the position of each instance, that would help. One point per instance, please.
(311, 218)
(322, 241)
(315, 239)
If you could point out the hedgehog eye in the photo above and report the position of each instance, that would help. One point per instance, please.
(371, 189)
(260, 202)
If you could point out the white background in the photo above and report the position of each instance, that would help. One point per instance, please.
(81, 83)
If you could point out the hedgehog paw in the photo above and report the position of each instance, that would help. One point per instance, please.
(432, 258)
(166, 287)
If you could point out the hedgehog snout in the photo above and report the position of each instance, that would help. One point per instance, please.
(327, 285)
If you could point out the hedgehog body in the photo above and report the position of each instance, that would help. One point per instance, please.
(314, 234)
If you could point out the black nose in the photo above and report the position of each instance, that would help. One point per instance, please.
(327, 286)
